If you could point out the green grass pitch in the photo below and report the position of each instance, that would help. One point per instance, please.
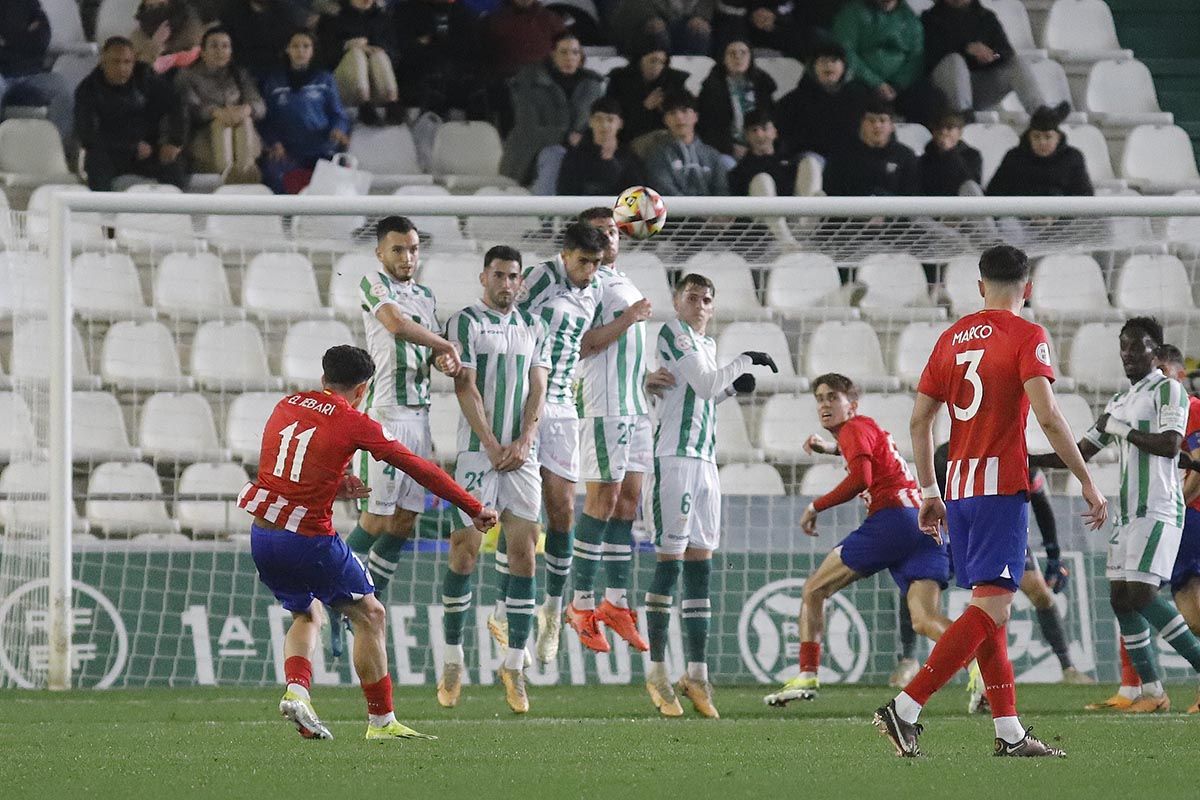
(593, 742)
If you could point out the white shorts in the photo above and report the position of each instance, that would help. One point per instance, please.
(390, 487)
(685, 504)
(612, 446)
(1143, 550)
(558, 441)
(518, 492)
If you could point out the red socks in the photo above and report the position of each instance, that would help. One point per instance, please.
(953, 649)
(1129, 675)
(298, 670)
(810, 656)
(379, 696)
(997, 671)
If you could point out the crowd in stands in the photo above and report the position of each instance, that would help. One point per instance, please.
(260, 90)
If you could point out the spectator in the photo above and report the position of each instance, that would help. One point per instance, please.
(129, 121)
(358, 45)
(784, 25)
(519, 33)
(305, 121)
(949, 166)
(222, 105)
(733, 89)
(440, 67)
(684, 27)
(600, 164)
(970, 60)
(641, 86)
(875, 163)
(822, 114)
(1043, 163)
(762, 158)
(551, 104)
(260, 30)
(885, 49)
(684, 165)
(24, 38)
(167, 35)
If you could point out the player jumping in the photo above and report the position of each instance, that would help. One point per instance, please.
(307, 444)
(989, 367)
(889, 538)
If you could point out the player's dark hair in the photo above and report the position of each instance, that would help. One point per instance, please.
(1169, 354)
(393, 224)
(838, 383)
(1147, 326)
(116, 41)
(346, 366)
(594, 213)
(581, 236)
(695, 279)
(501, 252)
(1004, 264)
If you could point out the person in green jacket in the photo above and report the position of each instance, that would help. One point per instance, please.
(885, 49)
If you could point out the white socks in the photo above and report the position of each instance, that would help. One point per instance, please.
(584, 601)
(907, 709)
(1154, 689)
(453, 654)
(501, 609)
(697, 670)
(1009, 729)
(657, 671)
(514, 658)
(296, 688)
(618, 597)
(382, 720)
(555, 605)
(1131, 692)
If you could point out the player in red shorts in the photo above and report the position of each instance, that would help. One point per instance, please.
(990, 367)
(307, 444)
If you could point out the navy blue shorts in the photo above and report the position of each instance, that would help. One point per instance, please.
(988, 539)
(890, 539)
(298, 568)
(1187, 563)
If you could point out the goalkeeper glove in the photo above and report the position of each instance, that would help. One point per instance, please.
(744, 383)
(1056, 575)
(761, 360)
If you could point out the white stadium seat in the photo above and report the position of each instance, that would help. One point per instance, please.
(244, 423)
(19, 438)
(960, 282)
(1121, 94)
(466, 155)
(488, 231)
(650, 276)
(897, 290)
(766, 337)
(390, 154)
(892, 412)
(149, 231)
(697, 69)
(66, 27)
(1081, 30)
(751, 479)
(87, 230)
(31, 153)
(26, 278)
(1078, 414)
(992, 140)
(1155, 284)
(179, 428)
(141, 356)
(786, 71)
(1090, 141)
(31, 355)
(144, 512)
(345, 283)
(807, 286)
(1106, 476)
(851, 348)
(913, 135)
(303, 347)
(1159, 159)
(736, 297)
(231, 355)
(1070, 287)
(785, 422)
(441, 230)
(98, 431)
(912, 350)
(1014, 19)
(454, 280)
(821, 477)
(115, 18)
(210, 516)
(244, 231)
(733, 436)
(193, 286)
(106, 286)
(31, 478)
(282, 286)
(1095, 362)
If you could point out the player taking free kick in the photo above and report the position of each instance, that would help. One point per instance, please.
(990, 367)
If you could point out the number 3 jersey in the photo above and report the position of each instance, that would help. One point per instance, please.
(307, 444)
(978, 368)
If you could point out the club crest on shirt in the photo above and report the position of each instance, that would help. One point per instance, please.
(684, 343)
(1043, 353)
(522, 294)
(379, 291)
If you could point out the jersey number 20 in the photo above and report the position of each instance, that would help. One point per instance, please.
(285, 443)
(971, 358)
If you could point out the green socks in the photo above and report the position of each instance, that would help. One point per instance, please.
(456, 601)
(618, 560)
(1166, 619)
(501, 574)
(1135, 632)
(359, 541)
(696, 608)
(658, 606)
(558, 563)
(383, 560)
(519, 604)
(589, 548)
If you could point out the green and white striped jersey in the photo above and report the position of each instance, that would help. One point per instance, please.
(568, 312)
(401, 368)
(687, 412)
(611, 381)
(501, 348)
(1149, 484)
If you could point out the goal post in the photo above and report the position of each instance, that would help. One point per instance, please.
(933, 231)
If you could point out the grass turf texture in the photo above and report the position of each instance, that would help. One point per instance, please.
(576, 742)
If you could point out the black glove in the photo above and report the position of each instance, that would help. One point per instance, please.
(744, 383)
(1056, 575)
(761, 360)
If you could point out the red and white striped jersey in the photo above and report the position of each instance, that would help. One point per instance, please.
(979, 368)
(892, 484)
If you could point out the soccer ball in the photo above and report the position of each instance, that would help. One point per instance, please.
(640, 212)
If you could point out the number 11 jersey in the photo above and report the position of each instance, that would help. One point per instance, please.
(978, 368)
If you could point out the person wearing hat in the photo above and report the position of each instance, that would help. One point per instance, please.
(949, 166)
(733, 89)
(821, 115)
(1043, 163)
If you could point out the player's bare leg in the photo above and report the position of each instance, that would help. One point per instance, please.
(615, 612)
(558, 494)
(1187, 600)
(1141, 612)
(830, 577)
(456, 602)
(298, 646)
(522, 546)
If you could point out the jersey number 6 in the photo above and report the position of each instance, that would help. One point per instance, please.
(971, 358)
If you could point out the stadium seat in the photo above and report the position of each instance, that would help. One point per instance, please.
(650, 276)
(851, 348)
(345, 289)
(31, 356)
(233, 232)
(919, 7)
(751, 479)
(303, 347)
(1159, 159)
(1078, 414)
(106, 286)
(1106, 476)
(231, 356)
(1014, 18)
(992, 140)
(466, 156)
(960, 282)
(897, 290)
(98, 431)
(1155, 284)
(441, 231)
(444, 414)
(736, 296)
(820, 478)
(733, 435)
(179, 428)
(1051, 81)
(488, 231)
(454, 280)
(19, 439)
(66, 28)
(785, 422)
(807, 286)
(26, 278)
(1070, 287)
(115, 18)
(193, 286)
(144, 512)
(210, 516)
(87, 229)
(148, 231)
(767, 337)
(786, 71)
(892, 412)
(1095, 362)
(245, 420)
(1121, 94)
(142, 356)
(31, 478)
(912, 350)
(913, 135)
(1091, 142)
(697, 69)
(603, 65)
(1081, 31)
(282, 286)
(390, 154)
(31, 153)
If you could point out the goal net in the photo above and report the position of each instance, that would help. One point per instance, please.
(186, 327)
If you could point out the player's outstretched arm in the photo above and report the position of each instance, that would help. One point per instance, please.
(410, 331)
(709, 384)
(471, 403)
(599, 338)
(1164, 443)
(932, 515)
(1070, 455)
